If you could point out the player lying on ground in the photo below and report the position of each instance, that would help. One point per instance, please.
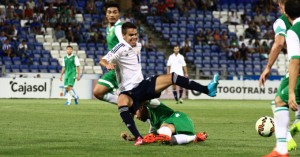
(170, 126)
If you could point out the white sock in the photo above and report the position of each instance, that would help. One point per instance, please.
(273, 106)
(297, 115)
(165, 131)
(73, 94)
(281, 118)
(111, 98)
(69, 96)
(184, 139)
(289, 136)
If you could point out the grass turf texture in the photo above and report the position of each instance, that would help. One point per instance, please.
(45, 127)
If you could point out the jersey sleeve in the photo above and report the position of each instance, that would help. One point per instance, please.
(118, 32)
(63, 61)
(279, 27)
(76, 60)
(183, 62)
(138, 48)
(169, 61)
(113, 55)
(293, 45)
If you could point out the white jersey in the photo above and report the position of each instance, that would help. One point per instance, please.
(293, 40)
(128, 64)
(176, 63)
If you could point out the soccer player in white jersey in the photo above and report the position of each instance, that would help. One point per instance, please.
(176, 63)
(290, 95)
(280, 27)
(134, 89)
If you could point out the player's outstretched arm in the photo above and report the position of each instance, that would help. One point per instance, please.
(62, 73)
(275, 50)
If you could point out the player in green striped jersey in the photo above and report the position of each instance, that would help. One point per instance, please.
(108, 82)
(70, 67)
(280, 27)
(290, 95)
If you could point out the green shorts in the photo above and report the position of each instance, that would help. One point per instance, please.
(69, 81)
(182, 122)
(283, 90)
(109, 80)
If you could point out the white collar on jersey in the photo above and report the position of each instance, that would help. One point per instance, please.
(128, 45)
(117, 22)
(70, 55)
(296, 20)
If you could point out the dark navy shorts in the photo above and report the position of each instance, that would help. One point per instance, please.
(144, 91)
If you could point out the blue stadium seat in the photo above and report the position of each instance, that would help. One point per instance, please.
(214, 63)
(24, 68)
(223, 63)
(231, 71)
(36, 61)
(190, 57)
(7, 61)
(206, 71)
(43, 68)
(15, 68)
(151, 62)
(90, 54)
(34, 68)
(16, 60)
(52, 69)
(44, 61)
(248, 71)
(8, 68)
(206, 63)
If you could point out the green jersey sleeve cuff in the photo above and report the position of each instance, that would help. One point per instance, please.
(295, 57)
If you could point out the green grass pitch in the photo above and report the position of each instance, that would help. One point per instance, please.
(45, 127)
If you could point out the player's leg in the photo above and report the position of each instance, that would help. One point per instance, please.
(281, 119)
(67, 88)
(295, 128)
(164, 81)
(106, 84)
(71, 90)
(180, 95)
(124, 103)
(175, 93)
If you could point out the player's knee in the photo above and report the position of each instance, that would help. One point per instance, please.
(279, 102)
(98, 94)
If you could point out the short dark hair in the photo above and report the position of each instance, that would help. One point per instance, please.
(112, 4)
(69, 46)
(126, 26)
(292, 8)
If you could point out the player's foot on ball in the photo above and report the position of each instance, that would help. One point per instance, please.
(138, 141)
(292, 145)
(274, 153)
(151, 138)
(201, 136)
(212, 86)
(68, 103)
(295, 128)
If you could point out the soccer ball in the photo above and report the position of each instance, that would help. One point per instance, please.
(265, 126)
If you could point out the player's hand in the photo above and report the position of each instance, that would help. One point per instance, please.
(60, 78)
(292, 102)
(78, 78)
(186, 75)
(263, 77)
(110, 66)
(127, 137)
